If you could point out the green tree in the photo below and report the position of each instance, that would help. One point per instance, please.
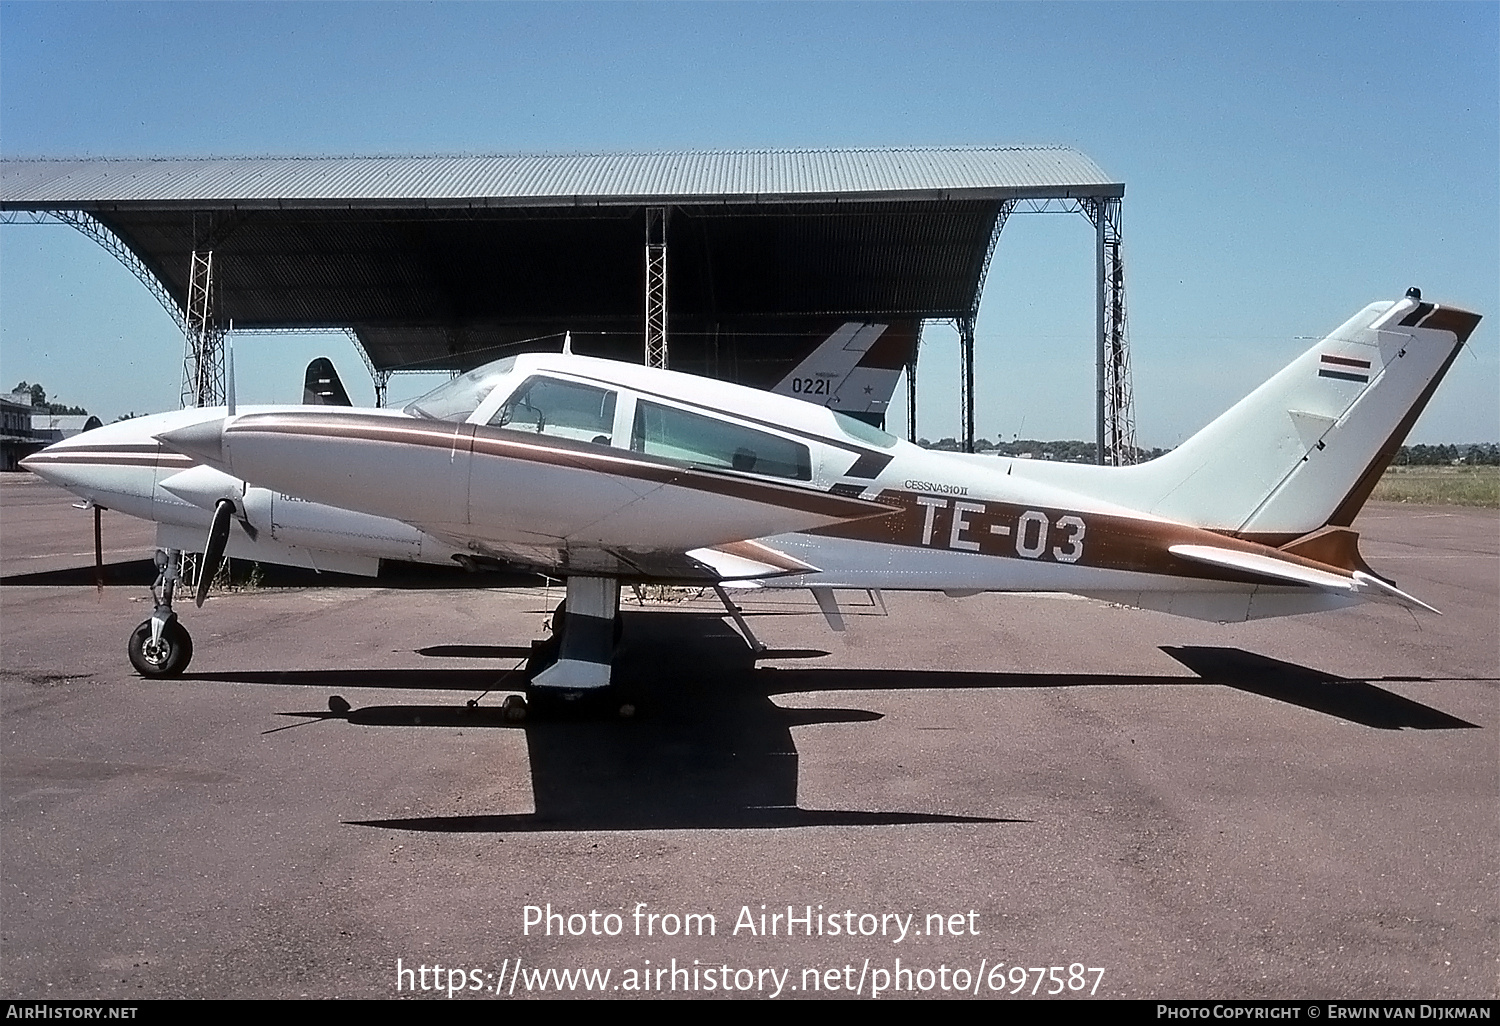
(38, 393)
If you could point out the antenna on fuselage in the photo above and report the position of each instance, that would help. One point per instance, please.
(567, 343)
(229, 369)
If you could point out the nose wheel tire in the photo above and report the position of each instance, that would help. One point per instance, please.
(165, 658)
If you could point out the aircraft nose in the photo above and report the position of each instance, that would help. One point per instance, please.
(203, 441)
(53, 466)
(41, 462)
(40, 467)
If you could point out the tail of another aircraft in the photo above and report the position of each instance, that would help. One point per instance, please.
(1305, 450)
(322, 387)
(854, 370)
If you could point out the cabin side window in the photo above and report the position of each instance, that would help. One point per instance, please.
(561, 409)
(693, 438)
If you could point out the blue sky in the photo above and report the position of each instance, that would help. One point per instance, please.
(1284, 164)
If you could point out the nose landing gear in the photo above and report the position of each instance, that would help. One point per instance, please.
(161, 646)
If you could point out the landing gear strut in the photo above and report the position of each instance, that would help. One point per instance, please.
(572, 670)
(161, 646)
(587, 632)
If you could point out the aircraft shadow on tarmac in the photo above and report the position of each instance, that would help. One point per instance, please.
(709, 748)
(706, 749)
(121, 572)
(1358, 701)
(393, 574)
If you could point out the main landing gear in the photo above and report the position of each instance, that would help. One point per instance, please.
(161, 646)
(571, 671)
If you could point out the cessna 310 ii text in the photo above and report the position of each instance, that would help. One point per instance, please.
(602, 473)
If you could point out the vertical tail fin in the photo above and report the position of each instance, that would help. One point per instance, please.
(854, 370)
(1306, 449)
(322, 387)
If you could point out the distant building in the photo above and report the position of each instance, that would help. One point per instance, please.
(25, 429)
(16, 439)
(54, 427)
(16, 420)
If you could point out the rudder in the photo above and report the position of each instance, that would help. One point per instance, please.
(1305, 449)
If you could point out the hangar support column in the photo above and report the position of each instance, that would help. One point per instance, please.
(656, 287)
(1119, 400)
(203, 362)
(203, 356)
(911, 387)
(1114, 405)
(965, 326)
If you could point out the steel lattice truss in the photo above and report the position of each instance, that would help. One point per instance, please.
(436, 263)
(1115, 402)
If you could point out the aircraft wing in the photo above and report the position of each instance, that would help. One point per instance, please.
(1280, 571)
(749, 560)
(738, 561)
(735, 561)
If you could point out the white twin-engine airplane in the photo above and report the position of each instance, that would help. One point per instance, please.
(602, 473)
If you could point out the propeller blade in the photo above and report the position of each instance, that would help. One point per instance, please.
(213, 550)
(98, 553)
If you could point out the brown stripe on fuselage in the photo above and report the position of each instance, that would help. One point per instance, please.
(606, 460)
(106, 458)
(1330, 546)
(503, 443)
(1270, 539)
(1108, 541)
(869, 465)
(83, 445)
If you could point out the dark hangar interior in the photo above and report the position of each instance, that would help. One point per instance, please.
(443, 263)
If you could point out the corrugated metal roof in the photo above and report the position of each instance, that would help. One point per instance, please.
(442, 261)
(679, 177)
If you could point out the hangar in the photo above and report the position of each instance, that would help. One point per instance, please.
(729, 263)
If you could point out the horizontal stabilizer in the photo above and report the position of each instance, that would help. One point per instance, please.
(1278, 571)
(1389, 592)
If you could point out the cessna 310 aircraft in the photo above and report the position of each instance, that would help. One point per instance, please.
(602, 473)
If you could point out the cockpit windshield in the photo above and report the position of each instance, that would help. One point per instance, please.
(460, 397)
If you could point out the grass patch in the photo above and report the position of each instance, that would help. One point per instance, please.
(1441, 486)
